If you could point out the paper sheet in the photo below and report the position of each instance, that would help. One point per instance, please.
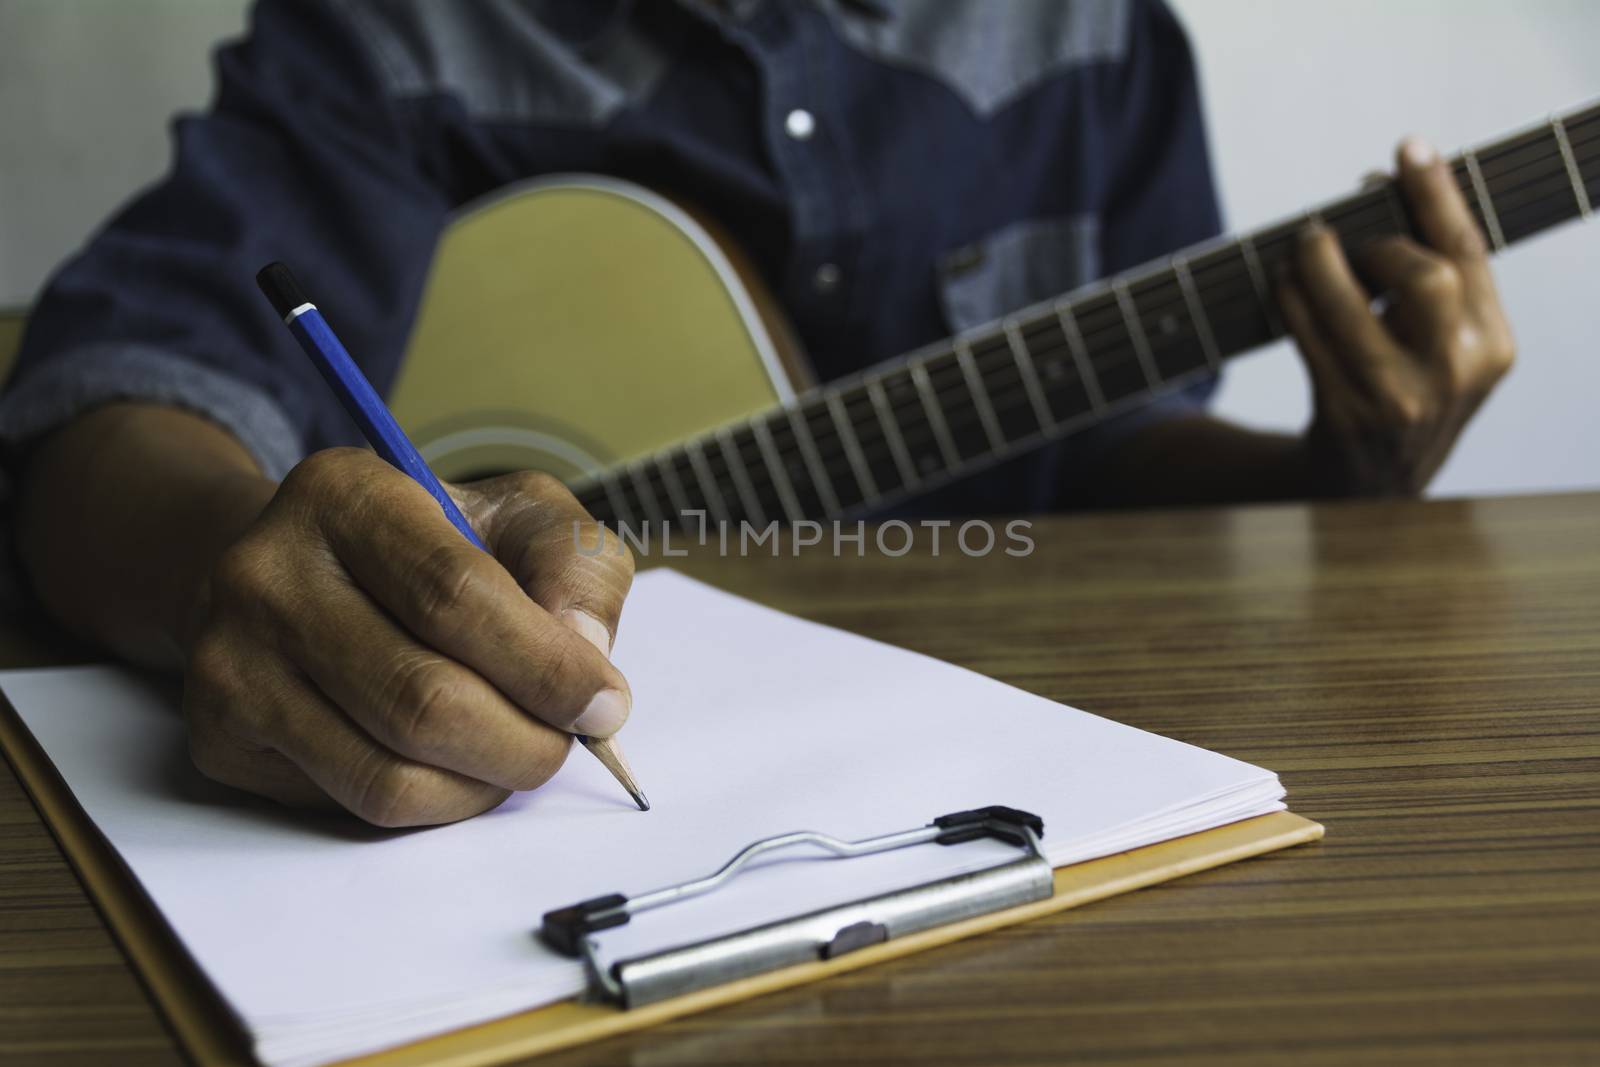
(330, 939)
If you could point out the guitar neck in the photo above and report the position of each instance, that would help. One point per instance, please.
(921, 420)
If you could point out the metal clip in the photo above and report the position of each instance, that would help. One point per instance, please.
(824, 934)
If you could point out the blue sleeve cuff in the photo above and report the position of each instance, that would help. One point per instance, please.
(72, 382)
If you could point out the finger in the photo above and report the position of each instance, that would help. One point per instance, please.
(225, 697)
(258, 726)
(415, 702)
(1338, 303)
(259, 770)
(366, 778)
(1328, 377)
(1443, 218)
(570, 565)
(403, 553)
(223, 756)
(1425, 286)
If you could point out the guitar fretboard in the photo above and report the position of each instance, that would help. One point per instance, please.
(921, 420)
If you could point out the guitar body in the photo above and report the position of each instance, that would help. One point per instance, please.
(602, 323)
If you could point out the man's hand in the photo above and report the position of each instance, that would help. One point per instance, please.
(1393, 389)
(354, 647)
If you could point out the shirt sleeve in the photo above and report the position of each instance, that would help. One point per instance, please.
(301, 158)
(1162, 197)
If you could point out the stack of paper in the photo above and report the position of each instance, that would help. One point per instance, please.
(329, 939)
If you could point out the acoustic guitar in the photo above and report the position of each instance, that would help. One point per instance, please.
(643, 368)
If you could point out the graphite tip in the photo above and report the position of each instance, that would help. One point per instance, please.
(606, 750)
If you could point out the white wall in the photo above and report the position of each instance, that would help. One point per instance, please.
(1304, 96)
(86, 90)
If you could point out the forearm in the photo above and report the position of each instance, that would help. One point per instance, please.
(122, 513)
(1198, 459)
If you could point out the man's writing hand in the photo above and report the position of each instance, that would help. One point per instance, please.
(354, 647)
(1394, 388)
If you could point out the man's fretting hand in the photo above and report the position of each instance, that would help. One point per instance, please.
(353, 647)
(1394, 388)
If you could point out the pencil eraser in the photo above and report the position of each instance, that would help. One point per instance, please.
(278, 283)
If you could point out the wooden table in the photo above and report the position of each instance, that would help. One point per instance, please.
(1425, 677)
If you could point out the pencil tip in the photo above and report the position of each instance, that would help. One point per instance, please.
(606, 751)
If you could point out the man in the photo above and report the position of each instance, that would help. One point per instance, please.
(340, 641)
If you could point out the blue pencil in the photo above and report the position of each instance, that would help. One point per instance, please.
(357, 395)
(370, 413)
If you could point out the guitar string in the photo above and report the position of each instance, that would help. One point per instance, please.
(917, 437)
(792, 458)
(961, 416)
(756, 463)
(1112, 317)
(941, 362)
(1503, 207)
(1000, 355)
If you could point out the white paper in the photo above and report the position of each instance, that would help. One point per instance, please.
(330, 939)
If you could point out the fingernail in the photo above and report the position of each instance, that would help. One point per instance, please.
(1417, 152)
(589, 628)
(605, 714)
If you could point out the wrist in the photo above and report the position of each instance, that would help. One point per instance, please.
(226, 509)
(1341, 467)
(120, 516)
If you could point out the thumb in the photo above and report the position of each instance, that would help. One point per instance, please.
(558, 554)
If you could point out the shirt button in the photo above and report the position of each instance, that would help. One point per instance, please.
(800, 124)
(826, 279)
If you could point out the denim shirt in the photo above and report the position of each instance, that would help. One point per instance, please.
(897, 170)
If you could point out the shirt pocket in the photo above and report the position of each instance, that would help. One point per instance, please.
(1022, 264)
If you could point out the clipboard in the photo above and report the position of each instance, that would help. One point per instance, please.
(210, 1034)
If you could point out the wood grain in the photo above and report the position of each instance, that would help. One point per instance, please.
(1425, 677)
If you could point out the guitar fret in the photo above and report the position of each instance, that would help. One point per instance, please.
(1141, 343)
(852, 449)
(1258, 279)
(741, 478)
(618, 502)
(1579, 191)
(1197, 313)
(647, 496)
(1080, 356)
(813, 462)
(675, 493)
(1491, 221)
(941, 429)
(715, 504)
(1397, 209)
(959, 406)
(980, 396)
(1030, 380)
(891, 434)
(780, 476)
